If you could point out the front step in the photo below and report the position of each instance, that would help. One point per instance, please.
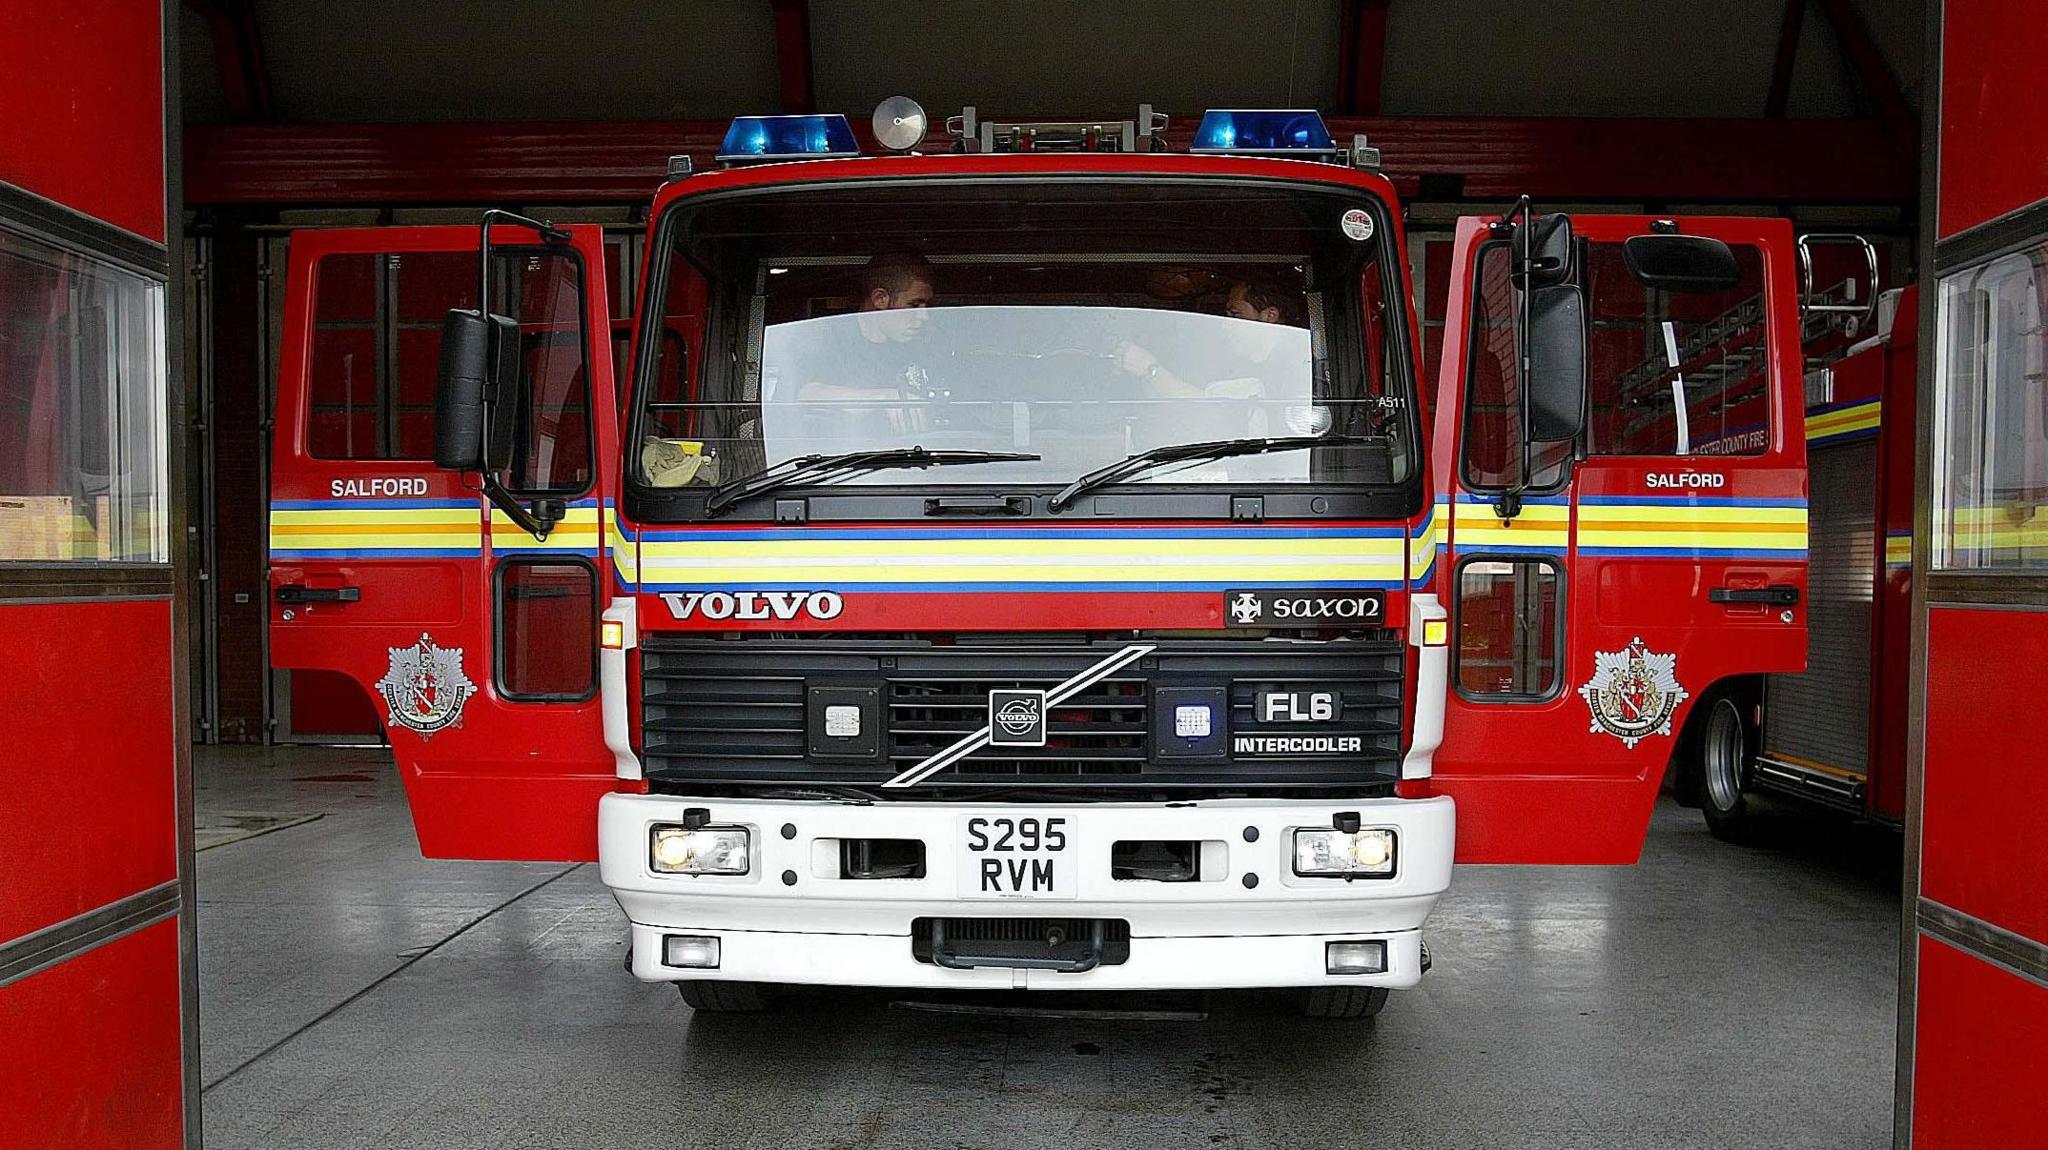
(1811, 781)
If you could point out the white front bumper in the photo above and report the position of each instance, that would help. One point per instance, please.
(794, 919)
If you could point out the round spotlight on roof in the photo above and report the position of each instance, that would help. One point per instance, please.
(899, 123)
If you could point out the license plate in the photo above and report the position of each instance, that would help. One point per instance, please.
(1017, 856)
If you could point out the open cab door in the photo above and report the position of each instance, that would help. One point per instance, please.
(1620, 448)
(461, 598)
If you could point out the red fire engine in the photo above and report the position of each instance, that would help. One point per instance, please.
(1835, 733)
(1035, 565)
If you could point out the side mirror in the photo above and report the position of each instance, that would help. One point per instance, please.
(462, 388)
(1681, 263)
(1556, 387)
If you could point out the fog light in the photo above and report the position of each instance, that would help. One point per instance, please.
(1365, 957)
(1367, 852)
(701, 953)
(705, 850)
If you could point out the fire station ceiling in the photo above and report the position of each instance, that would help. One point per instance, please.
(465, 60)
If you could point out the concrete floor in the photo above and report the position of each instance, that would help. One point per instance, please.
(355, 995)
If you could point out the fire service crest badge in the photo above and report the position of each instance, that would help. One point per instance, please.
(425, 688)
(1633, 693)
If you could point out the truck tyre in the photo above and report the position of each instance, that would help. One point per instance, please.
(1342, 1001)
(715, 997)
(1724, 757)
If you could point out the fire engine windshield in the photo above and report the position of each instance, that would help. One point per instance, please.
(1080, 322)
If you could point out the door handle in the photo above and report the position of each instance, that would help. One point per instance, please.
(1775, 595)
(300, 593)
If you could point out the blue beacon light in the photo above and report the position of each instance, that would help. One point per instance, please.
(1277, 131)
(753, 138)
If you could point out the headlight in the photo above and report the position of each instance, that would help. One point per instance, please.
(706, 850)
(1366, 852)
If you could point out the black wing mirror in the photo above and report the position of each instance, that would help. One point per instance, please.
(1557, 364)
(1681, 263)
(472, 342)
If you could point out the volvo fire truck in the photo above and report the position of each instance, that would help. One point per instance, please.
(1036, 562)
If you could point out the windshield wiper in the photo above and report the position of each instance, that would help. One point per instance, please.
(805, 468)
(1182, 452)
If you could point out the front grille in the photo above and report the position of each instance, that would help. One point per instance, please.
(1104, 730)
(744, 710)
(1023, 936)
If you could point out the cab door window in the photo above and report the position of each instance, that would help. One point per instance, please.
(1492, 455)
(546, 634)
(1675, 373)
(550, 449)
(1510, 629)
(377, 345)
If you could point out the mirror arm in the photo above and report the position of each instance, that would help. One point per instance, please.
(536, 525)
(549, 233)
(1509, 504)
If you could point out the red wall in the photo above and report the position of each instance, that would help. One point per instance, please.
(81, 91)
(1994, 110)
(1978, 1062)
(90, 812)
(93, 1049)
(1984, 845)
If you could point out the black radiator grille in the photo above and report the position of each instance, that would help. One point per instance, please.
(1101, 731)
(738, 710)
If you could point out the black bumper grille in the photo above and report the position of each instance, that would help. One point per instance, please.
(743, 711)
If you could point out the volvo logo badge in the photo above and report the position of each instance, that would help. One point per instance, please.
(1016, 718)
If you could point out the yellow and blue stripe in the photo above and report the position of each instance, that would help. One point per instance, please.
(375, 528)
(1427, 541)
(1691, 527)
(419, 529)
(1541, 527)
(1842, 422)
(923, 559)
(1898, 548)
(579, 532)
(1639, 526)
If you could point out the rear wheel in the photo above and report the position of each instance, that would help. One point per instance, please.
(1343, 1001)
(1724, 753)
(714, 997)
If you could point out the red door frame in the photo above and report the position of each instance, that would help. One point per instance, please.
(98, 986)
(1973, 990)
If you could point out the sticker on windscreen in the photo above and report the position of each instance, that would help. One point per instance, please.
(1357, 224)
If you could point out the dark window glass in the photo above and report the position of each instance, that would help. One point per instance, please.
(377, 348)
(1714, 400)
(1493, 397)
(350, 411)
(547, 630)
(551, 437)
(1509, 632)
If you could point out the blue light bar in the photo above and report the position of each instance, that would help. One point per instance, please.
(1264, 132)
(754, 138)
